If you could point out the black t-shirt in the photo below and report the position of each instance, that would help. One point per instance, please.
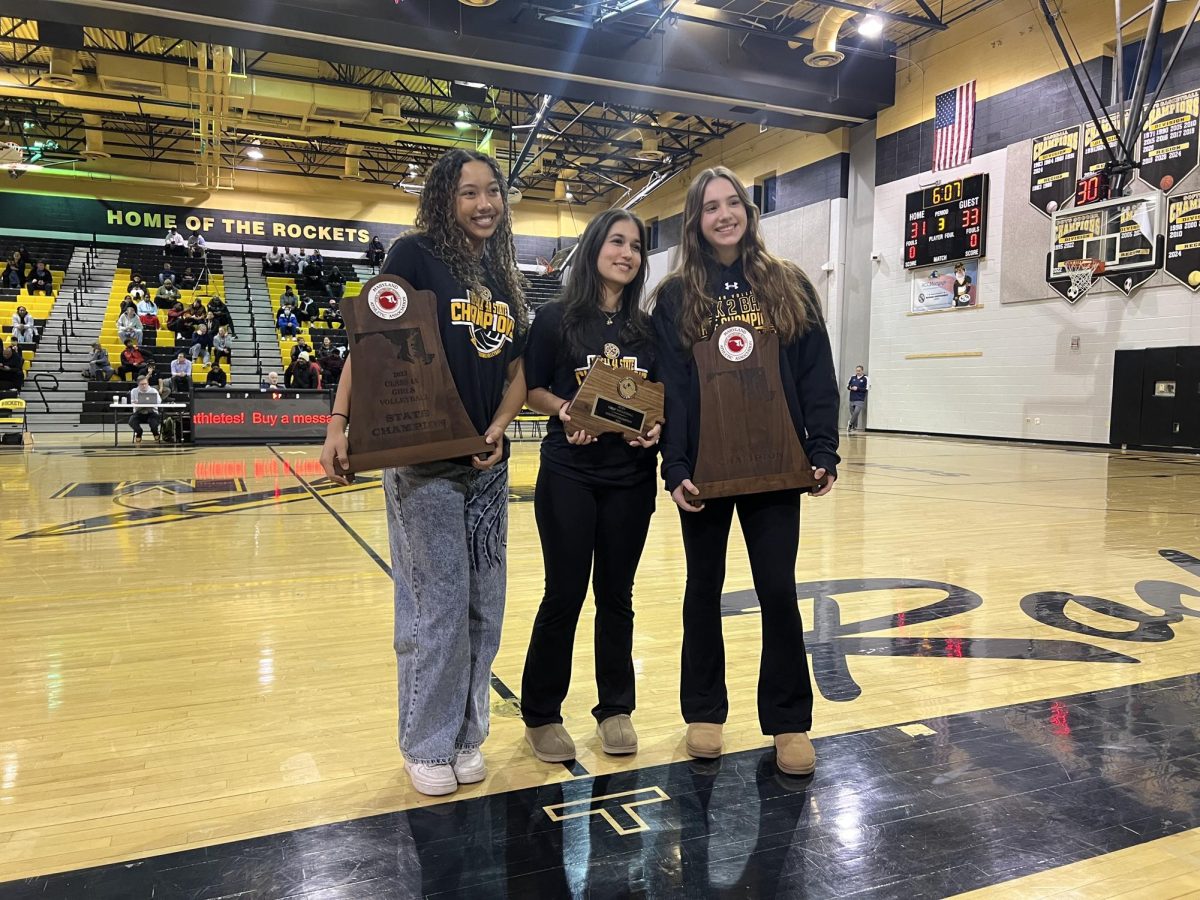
(551, 365)
(479, 333)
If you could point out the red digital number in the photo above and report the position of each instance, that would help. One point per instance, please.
(912, 251)
(973, 240)
(970, 217)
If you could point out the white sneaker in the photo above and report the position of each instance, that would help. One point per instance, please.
(469, 767)
(435, 781)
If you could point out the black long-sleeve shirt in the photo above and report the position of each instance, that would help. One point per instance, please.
(805, 367)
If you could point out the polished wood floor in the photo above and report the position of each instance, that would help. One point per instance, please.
(196, 644)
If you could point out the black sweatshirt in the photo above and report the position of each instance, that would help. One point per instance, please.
(805, 366)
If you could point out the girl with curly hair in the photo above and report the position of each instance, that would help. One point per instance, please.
(448, 521)
(725, 273)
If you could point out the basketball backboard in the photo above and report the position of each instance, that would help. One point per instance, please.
(1123, 233)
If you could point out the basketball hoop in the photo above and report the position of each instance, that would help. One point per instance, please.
(1081, 272)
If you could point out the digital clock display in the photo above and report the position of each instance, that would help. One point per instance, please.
(946, 222)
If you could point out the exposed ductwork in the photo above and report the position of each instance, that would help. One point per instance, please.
(391, 111)
(824, 51)
(93, 138)
(353, 170)
(62, 68)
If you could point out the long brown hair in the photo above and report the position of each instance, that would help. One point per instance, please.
(435, 218)
(788, 299)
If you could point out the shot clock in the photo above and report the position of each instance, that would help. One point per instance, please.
(946, 222)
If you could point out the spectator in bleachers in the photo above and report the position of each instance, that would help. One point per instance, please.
(13, 278)
(333, 315)
(145, 401)
(133, 360)
(301, 375)
(98, 367)
(196, 245)
(173, 243)
(181, 373)
(218, 313)
(216, 377)
(202, 344)
(147, 313)
(286, 322)
(187, 324)
(154, 376)
(301, 346)
(40, 280)
(329, 355)
(24, 259)
(316, 257)
(137, 288)
(288, 298)
(270, 383)
(306, 310)
(23, 329)
(167, 295)
(128, 303)
(187, 281)
(301, 260)
(222, 345)
(273, 261)
(174, 317)
(167, 274)
(12, 367)
(129, 326)
(335, 283)
(200, 313)
(375, 252)
(291, 262)
(314, 274)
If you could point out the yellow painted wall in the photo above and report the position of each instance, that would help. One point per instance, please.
(1003, 47)
(285, 195)
(750, 155)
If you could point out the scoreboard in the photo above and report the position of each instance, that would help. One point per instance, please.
(946, 222)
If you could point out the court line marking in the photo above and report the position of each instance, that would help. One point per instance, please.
(498, 686)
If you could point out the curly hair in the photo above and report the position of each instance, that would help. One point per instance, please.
(435, 219)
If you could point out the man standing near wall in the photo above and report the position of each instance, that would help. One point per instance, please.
(859, 385)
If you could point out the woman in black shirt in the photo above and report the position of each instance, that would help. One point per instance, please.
(448, 521)
(725, 273)
(595, 493)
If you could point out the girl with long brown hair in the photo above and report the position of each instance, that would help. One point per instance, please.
(448, 521)
(725, 272)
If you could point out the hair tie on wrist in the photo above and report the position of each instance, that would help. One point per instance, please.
(343, 415)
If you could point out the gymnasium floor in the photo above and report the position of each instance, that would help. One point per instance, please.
(197, 691)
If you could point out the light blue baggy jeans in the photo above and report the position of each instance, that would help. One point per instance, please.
(448, 532)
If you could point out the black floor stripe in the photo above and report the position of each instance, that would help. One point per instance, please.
(990, 796)
(497, 685)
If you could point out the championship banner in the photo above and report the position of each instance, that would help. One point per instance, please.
(1052, 172)
(112, 218)
(1095, 154)
(1169, 142)
(1183, 239)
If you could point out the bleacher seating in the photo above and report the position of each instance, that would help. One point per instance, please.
(542, 289)
(315, 332)
(57, 256)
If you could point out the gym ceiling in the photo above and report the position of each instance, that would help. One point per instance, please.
(587, 99)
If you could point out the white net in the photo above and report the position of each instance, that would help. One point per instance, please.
(1081, 272)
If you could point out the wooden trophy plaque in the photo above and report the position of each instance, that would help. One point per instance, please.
(615, 400)
(404, 406)
(748, 443)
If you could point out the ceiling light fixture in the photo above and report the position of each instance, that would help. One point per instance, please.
(871, 26)
(254, 151)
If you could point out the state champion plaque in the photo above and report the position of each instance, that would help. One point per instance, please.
(748, 443)
(615, 400)
(404, 406)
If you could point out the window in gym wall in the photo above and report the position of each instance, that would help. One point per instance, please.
(652, 235)
(765, 193)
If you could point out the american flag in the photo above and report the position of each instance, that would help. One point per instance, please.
(954, 127)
